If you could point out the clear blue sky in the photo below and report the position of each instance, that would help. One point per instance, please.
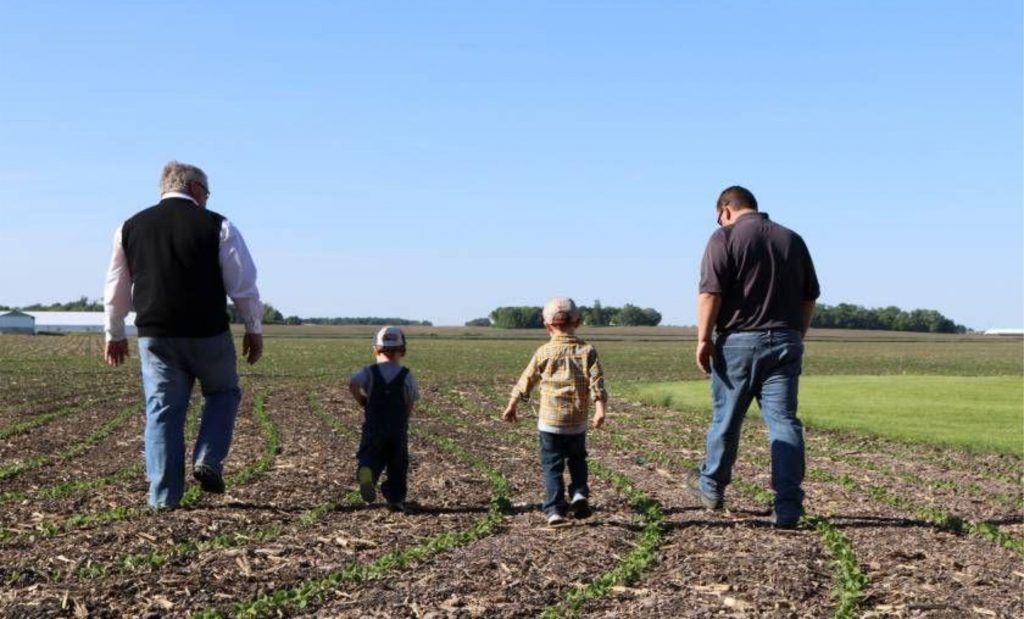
(436, 160)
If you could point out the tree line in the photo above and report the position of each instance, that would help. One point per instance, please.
(597, 315)
(892, 318)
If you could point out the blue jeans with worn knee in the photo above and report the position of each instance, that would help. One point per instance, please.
(557, 451)
(764, 365)
(170, 367)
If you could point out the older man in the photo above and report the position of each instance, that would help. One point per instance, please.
(757, 290)
(176, 262)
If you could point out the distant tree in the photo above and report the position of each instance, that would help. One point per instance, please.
(271, 316)
(517, 317)
(82, 304)
(365, 320)
(633, 316)
(479, 322)
(891, 318)
(293, 320)
(597, 316)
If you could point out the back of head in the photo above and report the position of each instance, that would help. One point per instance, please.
(176, 176)
(738, 198)
(389, 340)
(561, 312)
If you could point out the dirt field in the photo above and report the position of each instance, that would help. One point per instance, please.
(893, 529)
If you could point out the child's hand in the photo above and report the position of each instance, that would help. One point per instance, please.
(510, 414)
(598, 420)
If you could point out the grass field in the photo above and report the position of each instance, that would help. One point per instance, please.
(977, 412)
(897, 528)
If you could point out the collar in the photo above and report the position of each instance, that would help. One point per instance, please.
(178, 194)
(564, 337)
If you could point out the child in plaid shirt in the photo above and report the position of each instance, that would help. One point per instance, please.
(570, 376)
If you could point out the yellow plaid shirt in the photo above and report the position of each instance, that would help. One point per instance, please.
(570, 376)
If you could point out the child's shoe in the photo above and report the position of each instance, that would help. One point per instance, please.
(397, 506)
(580, 507)
(367, 486)
(555, 519)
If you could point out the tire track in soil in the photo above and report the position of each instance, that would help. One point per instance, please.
(918, 496)
(519, 571)
(730, 574)
(310, 453)
(51, 432)
(447, 498)
(877, 532)
(835, 501)
(122, 504)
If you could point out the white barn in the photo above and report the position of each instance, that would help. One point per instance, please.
(17, 322)
(77, 322)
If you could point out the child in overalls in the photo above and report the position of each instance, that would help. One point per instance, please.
(388, 392)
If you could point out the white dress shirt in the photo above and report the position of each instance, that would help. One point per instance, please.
(236, 267)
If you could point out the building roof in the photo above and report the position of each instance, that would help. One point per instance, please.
(16, 313)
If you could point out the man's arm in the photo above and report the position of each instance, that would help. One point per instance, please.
(807, 312)
(117, 300)
(239, 273)
(708, 305)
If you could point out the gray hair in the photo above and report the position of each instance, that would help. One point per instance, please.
(177, 175)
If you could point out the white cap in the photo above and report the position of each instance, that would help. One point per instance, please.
(389, 337)
(560, 311)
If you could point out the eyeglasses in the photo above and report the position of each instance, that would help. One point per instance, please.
(205, 188)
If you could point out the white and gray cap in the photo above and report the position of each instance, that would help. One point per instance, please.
(389, 337)
(560, 311)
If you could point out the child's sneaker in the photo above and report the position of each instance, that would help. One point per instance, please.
(367, 487)
(580, 507)
(555, 519)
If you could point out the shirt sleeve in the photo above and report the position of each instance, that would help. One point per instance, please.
(595, 374)
(117, 293)
(811, 288)
(239, 273)
(412, 390)
(528, 379)
(714, 266)
(364, 378)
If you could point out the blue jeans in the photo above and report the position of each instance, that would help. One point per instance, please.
(170, 367)
(557, 450)
(765, 365)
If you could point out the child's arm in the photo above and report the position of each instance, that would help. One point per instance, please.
(527, 380)
(357, 392)
(510, 410)
(598, 419)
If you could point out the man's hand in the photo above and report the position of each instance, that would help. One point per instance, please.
(598, 419)
(252, 347)
(510, 413)
(705, 356)
(116, 352)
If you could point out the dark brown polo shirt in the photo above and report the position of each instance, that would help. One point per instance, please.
(763, 272)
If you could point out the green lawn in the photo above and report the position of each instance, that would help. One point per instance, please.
(983, 413)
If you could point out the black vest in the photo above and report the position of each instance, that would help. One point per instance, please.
(173, 252)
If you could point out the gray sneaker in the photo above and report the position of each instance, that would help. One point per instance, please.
(693, 485)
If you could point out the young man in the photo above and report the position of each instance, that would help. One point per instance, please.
(757, 290)
(570, 375)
